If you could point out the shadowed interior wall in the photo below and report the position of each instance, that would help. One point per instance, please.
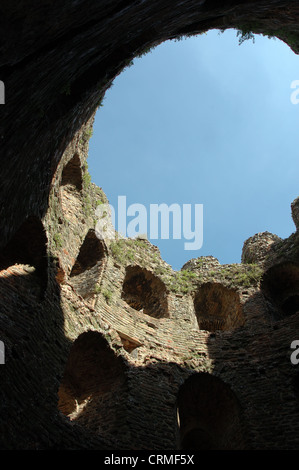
(280, 285)
(24, 259)
(208, 414)
(93, 387)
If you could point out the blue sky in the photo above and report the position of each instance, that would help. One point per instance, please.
(204, 121)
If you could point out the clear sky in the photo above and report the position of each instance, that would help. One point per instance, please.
(204, 121)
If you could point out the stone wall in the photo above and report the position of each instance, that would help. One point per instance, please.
(106, 347)
(122, 352)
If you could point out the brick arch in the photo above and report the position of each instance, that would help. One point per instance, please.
(209, 415)
(93, 389)
(218, 307)
(88, 267)
(71, 184)
(23, 261)
(145, 292)
(280, 286)
(72, 173)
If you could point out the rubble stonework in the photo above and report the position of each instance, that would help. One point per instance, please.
(256, 248)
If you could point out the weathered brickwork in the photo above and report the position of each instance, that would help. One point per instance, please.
(106, 347)
(112, 349)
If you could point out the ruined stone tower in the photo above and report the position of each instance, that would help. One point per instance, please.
(106, 347)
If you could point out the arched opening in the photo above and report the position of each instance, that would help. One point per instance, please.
(88, 267)
(93, 386)
(280, 286)
(23, 262)
(72, 174)
(70, 189)
(145, 292)
(209, 415)
(218, 308)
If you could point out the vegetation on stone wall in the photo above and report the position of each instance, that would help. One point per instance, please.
(57, 240)
(247, 32)
(239, 275)
(128, 251)
(121, 251)
(182, 282)
(107, 295)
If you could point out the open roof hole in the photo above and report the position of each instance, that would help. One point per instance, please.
(199, 121)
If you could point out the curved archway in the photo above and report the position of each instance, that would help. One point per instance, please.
(71, 184)
(209, 415)
(145, 292)
(72, 174)
(218, 308)
(201, 138)
(93, 387)
(280, 285)
(75, 86)
(88, 267)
